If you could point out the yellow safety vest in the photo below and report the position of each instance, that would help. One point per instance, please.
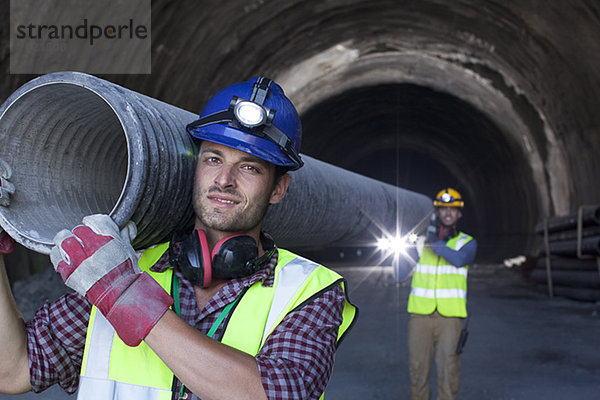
(113, 370)
(437, 284)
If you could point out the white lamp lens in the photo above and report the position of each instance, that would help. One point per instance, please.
(249, 114)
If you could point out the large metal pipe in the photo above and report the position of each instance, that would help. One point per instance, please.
(588, 246)
(572, 233)
(80, 145)
(568, 263)
(589, 216)
(578, 279)
(328, 205)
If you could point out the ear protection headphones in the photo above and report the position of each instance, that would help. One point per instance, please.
(232, 257)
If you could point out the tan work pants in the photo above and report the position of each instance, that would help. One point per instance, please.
(426, 332)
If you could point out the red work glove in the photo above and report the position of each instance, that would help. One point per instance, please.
(7, 244)
(99, 264)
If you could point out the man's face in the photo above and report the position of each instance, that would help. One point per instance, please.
(233, 189)
(448, 216)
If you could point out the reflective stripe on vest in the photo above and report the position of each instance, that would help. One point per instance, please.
(105, 371)
(438, 285)
(111, 369)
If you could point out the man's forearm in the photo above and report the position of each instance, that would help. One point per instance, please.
(208, 368)
(458, 258)
(14, 366)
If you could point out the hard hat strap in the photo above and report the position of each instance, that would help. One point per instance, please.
(260, 90)
(270, 132)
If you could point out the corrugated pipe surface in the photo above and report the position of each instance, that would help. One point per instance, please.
(328, 205)
(80, 145)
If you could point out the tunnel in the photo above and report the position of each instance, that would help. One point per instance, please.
(498, 100)
(421, 139)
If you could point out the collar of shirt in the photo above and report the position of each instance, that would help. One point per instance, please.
(202, 319)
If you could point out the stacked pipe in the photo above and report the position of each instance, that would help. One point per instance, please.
(569, 256)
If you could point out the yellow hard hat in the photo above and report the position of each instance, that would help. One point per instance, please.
(448, 198)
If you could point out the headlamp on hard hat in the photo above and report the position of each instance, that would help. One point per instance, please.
(250, 114)
(253, 117)
(446, 198)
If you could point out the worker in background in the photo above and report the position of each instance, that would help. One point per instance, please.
(219, 312)
(438, 300)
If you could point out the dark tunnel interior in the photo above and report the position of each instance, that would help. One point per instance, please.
(497, 99)
(424, 140)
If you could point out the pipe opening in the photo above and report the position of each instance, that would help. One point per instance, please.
(69, 156)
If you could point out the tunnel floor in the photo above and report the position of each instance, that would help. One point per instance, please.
(522, 345)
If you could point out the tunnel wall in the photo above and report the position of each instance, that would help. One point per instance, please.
(529, 69)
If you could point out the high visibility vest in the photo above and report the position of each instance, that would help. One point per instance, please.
(113, 370)
(437, 284)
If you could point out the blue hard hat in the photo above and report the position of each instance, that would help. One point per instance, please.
(255, 117)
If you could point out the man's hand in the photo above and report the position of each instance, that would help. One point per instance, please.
(6, 188)
(7, 244)
(97, 262)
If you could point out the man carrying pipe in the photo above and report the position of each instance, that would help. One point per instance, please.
(217, 313)
(438, 299)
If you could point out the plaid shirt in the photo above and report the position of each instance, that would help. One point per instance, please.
(295, 361)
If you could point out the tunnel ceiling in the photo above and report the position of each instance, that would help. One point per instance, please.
(502, 95)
